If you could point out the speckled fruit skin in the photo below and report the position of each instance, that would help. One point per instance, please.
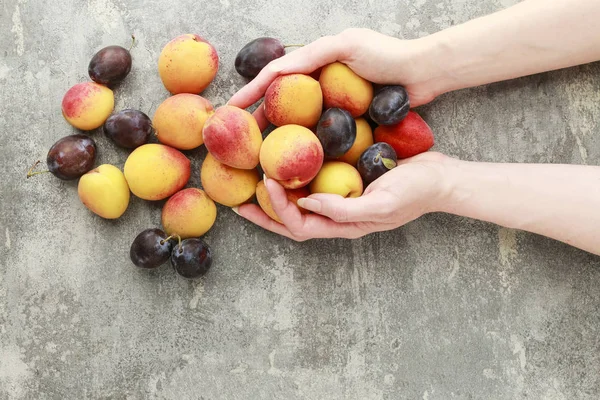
(189, 213)
(294, 99)
(87, 105)
(343, 88)
(227, 185)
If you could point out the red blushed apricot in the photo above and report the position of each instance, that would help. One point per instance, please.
(189, 213)
(410, 137)
(87, 105)
(294, 99)
(233, 137)
(264, 201)
(292, 155)
(343, 88)
(227, 185)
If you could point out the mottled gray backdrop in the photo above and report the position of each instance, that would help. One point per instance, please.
(442, 308)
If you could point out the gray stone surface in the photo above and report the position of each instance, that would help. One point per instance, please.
(443, 308)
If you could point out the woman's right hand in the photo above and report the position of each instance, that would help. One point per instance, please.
(376, 57)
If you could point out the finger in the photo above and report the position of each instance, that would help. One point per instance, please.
(287, 211)
(261, 119)
(305, 60)
(366, 208)
(256, 215)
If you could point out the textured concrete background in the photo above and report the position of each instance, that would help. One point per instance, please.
(443, 308)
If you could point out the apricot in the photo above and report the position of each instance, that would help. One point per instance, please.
(338, 177)
(104, 191)
(188, 64)
(227, 185)
(364, 139)
(294, 99)
(233, 137)
(189, 213)
(155, 171)
(179, 120)
(345, 89)
(292, 155)
(264, 201)
(87, 105)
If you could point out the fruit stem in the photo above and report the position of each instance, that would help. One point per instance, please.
(132, 42)
(377, 157)
(171, 237)
(292, 45)
(30, 173)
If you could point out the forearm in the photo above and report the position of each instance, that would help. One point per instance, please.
(530, 37)
(558, 201)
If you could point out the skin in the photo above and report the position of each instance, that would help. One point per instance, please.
(554, 200)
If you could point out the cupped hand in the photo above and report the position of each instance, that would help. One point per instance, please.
(414, 187)
(376, 57)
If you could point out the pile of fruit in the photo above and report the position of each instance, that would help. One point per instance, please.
(334, 132)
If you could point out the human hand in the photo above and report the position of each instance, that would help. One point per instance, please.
(414, 187)
(376, 57)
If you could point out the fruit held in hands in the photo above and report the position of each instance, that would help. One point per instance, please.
(227, 185)
(104, 191)
(155, 171)
(179, 120)
(410, 137)
(192, 258)
(233, 137)
(128, 128)
(376, 161)
(292, 155)
(188, 64)
(390, 105)
(337, 177)
(364, 139)
(253, 57)
(343, 88)
(336, 131)
(87, 105)
(110, 65)
(294, 99)
(264, 201)
(150, 249)
(69, 157)
(188, 213)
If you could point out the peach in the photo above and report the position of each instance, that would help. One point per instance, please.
(343, 88)
(338, 177)
(104, 191)
(155, 171)
(188, 64)
(227, 185)
(292, 155)
(294, 99)
(189, 213)
(179, 120)
(264, 201)
(409, 137)
(233, 137)
(87, 105)
(364, 139)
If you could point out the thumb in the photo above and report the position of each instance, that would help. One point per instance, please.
(365, 208)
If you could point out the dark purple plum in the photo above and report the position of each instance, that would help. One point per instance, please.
(150, 249)
(110, 65)
(375, 161)
(336, 131)
(128, 128)
(390, 105)
(69, 157)
(192, 258)
(253, 57)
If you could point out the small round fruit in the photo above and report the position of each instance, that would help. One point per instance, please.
(192, 258)
(337, 177)
(87, 105)
(104, 191)
(189, 213)
(390, 105)
(110, 65)
(364, 139)
(226, 185)
(128, 128)
(376, 161)
(71, 156)
(150, 249)
(253, 57)
(264, 201)
(336, 131)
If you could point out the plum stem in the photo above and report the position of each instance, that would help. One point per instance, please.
(171, 237)
(292, 45)
(30, 173)
(132, 42)
(377, 157)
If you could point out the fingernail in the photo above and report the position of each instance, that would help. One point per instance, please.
(310, 204)
(235, 210)
(264, 178)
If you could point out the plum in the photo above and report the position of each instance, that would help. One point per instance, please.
(390, 105)
(375, 161)
(336, 131)
(128, 128)
(110, 65)
(253, 57)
